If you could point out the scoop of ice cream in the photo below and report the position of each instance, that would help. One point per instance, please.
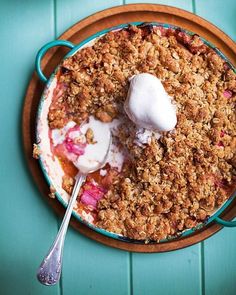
(148, 105)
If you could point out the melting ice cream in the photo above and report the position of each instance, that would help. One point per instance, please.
(74, 146)
(94, 154)
(148, 104)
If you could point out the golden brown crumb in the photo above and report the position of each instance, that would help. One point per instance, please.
(67, 183)
(36, 151)
(106, 114)
(52, 192)
(90, 136)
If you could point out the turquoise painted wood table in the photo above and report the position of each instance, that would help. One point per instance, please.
(28, 225)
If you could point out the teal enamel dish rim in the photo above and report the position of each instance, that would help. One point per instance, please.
(74, 49)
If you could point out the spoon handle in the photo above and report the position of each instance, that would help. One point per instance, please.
(49, 271)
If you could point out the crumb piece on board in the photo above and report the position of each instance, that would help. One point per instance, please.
(36, 151)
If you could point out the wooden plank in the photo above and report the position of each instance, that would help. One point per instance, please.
(89, 267)
(221, 13)
(170, 273)
(92, 268)
(70, 13)
(220, 263)
(27, 225)
(185, 4)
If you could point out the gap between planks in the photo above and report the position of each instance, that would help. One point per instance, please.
(202, 268)
(194, 6)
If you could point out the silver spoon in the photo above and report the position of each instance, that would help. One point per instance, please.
(49, 271)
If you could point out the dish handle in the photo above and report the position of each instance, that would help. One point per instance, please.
(42, 52)
(225, 223)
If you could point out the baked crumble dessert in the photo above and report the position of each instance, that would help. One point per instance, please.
(155, 185)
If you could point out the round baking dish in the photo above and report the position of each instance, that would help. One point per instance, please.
(51, 168)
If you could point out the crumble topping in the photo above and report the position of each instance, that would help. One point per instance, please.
(175, 182)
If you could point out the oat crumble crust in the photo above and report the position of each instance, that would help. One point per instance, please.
(177, 181)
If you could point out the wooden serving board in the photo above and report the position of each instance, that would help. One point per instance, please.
(83, 29)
